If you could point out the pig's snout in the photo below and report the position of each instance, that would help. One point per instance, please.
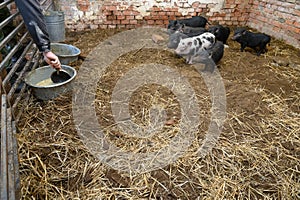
(234, 38)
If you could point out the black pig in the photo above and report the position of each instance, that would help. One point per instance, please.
(215, 53)
(191, 31)
(252, 40)
(221, 32)
(195, 21)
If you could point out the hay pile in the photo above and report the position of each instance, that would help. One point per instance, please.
(256, 157)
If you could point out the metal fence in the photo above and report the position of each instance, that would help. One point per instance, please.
(18, 56)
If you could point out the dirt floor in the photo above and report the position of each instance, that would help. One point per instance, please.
(256, 157)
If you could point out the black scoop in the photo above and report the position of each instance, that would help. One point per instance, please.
(60, 76)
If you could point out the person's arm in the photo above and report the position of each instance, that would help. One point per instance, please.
(35, 23)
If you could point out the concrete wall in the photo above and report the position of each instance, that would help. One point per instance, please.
(275, 17)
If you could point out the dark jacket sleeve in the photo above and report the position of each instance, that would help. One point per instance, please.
(34, 20)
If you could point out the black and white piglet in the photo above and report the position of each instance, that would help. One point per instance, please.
(191, 46)
(256, 41)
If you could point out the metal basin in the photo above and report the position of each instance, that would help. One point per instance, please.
(66, 53)
(42, 86)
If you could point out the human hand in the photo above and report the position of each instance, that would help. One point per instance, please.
(52, 60)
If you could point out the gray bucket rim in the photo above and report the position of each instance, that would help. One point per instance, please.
(52, 85)
(52, 13)
(62, 44)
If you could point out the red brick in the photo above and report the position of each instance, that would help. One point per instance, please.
(297, 24)
(129, 17)
(229, 23)
(172, 17)
(289, 22)
(165, 17)
(106, 12)
(296, 12)
(161, 13)
(233, 18)
(178, 14)
(242, 19)
(127, 12)
(116, 12)
(111, 17)
(230, 1)
(107, 22)
(159, 22)
(133, 21)
(170, 13)
(150, 22)
(125, 21)
(120, 16)
(155, 17)
(116, 22)
(276, 29)
(112, 8)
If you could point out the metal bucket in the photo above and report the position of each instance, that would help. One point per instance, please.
(48, 90)
(66, 53)
(55, 22)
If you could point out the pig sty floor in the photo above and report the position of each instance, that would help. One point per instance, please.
(257, 155)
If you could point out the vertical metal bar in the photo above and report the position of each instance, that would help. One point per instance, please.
(16, 162)
(13, 51)
(10, 157)
(26, 100)
(17, 64)
(3, 161)
(19, 79)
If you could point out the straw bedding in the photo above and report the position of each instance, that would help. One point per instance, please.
(256, 157)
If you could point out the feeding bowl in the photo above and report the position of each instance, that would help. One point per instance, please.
(66, 53)
(42, 86)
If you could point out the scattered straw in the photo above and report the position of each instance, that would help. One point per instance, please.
(256, 157)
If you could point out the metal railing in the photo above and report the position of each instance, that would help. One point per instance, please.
(20, 56)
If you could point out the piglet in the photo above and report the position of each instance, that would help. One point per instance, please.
(195, 21)
(189, 47)
(175, 38)
(210, 57)
(252, 40)
(191, 31)
(222, 33)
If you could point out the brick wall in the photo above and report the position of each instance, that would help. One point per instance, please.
(275, 17)
(279, 18)
(93, 14)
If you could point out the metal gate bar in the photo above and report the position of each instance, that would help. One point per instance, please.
(3, 163)
(10, 184)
